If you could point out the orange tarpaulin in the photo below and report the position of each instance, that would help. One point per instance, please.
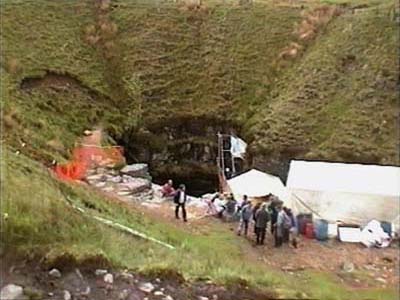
(85, 157)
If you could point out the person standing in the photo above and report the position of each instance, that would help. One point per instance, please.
(287, 224)
(293, 228)
(245, 216)
(255, 209)
(180, 201)
(262, 218)
(279, 230)
(274, 214)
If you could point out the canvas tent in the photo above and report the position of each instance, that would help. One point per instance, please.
(352, 193)
(257, 184)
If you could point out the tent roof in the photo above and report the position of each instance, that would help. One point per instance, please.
(255, 183)
(340, 177)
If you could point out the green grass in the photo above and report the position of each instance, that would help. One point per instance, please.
(215, 68)
(338, 101)
(43, 223)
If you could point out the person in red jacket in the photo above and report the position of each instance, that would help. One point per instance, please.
(168, 190)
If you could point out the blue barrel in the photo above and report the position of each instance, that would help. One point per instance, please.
(321, 229)
(387, 227)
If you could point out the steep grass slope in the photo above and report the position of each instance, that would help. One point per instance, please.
(340, 101)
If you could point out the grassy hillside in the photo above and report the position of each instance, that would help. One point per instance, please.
(339, 102)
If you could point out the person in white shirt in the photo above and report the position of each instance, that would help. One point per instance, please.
(180, 201)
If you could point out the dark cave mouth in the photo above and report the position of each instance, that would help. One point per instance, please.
(184, 150)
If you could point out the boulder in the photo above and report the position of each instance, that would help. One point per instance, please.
(136, 185)
(348, 267)
(108, 278)
(136, 170)
(67, 295)
(11, 292)
(123, 295)
(146, 287)
(55, 273)
(100, 272)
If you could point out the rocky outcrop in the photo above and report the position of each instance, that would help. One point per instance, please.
(131, 184)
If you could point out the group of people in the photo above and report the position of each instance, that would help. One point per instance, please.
(280, 219)
(271, 212)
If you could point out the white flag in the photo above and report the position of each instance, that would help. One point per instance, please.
(238, 147)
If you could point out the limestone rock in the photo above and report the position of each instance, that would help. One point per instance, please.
(55, 273)
(100, 272)
(146, 287)
(136, 185)
(108, 278)
(348, 267)
(67, 295)
(123, 295)
(136, 170)
(11, 292)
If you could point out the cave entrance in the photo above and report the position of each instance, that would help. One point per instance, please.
(183, 149)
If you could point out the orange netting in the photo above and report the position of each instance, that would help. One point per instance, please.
(85, 157)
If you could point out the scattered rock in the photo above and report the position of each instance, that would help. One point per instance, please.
(100, 272)
(381, 280)
(168, 297)
(11, 292)
(108, 278)
(115, 179)
(79, 274)
(202, 298)
(87, 132)
(387, 259)
(123, 295)
(55, 273)
(348, 267)
(108, 189)
(158, 293)
(126, 276)
(100, 184)
(292, 269)
(67, 295)
(87, 291)
(146, 287)
(136, 170)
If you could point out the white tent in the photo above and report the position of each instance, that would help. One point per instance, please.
(255, 183)
(352, 193)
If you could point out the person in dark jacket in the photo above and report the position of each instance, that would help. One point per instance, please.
(255, 209)
(262, 219)
(274, 216)
(245, 218)
(180, 201)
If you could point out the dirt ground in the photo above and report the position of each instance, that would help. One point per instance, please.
(354, 264)
(83, 282)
